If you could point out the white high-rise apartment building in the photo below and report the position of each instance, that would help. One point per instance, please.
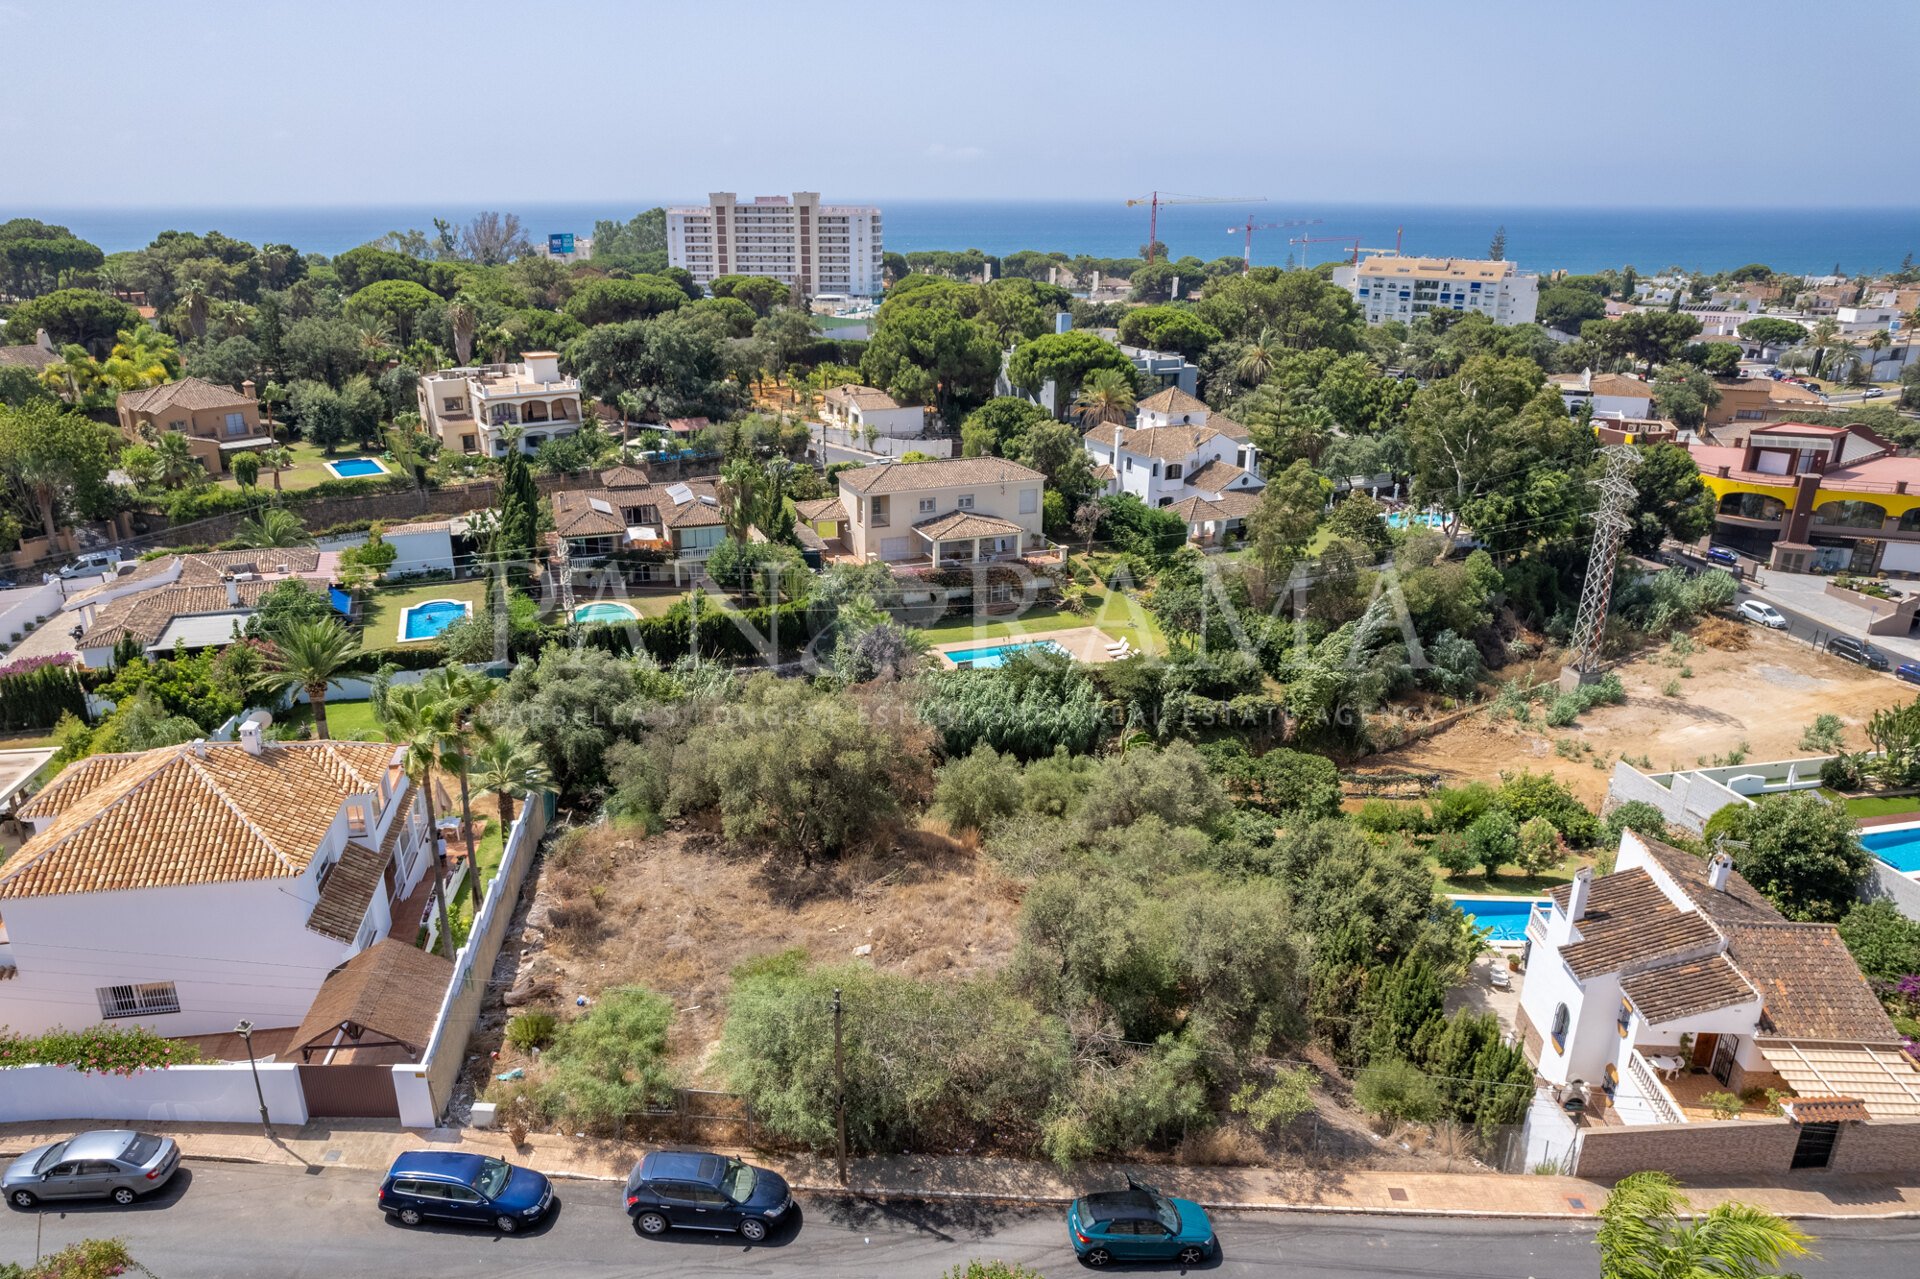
(1390, 287)
(823, 248)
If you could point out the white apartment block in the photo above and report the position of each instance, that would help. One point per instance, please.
(822, 248)
(1390, 287)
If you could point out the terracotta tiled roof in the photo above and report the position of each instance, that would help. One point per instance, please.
(701, 509)
(1236, 504)
(965, 524)
(1621, 385)
(208, 568)
(574, 514)
(1740, 903)
(1105, 434)
(1172, 400)
(1684, 989)
(348, 892)
(1879, 1076)
(827, 508)
(1826, 1110)
(193, 814)
(624, 477)
(1105, 471)
(1811, 987)
(145, 614)
(388, 991)
(32, 356)
(187, 393)
(1228, 427)
(1629, 923)
(74, 781)
(853, 395)
(905, 477)
(1218, 476)
(1167, 443)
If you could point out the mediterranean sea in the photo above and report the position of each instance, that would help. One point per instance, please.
(1803, 241)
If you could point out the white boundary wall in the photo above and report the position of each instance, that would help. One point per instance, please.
(177, 1094)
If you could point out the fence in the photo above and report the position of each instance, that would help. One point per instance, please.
(425, 1087)
(177, 1094)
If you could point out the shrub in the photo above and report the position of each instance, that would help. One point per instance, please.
(1455, 807)
(978, 789)
(532, 1030)
(1494, 839)
(1397, 1092)
(610, 1063)
(1529, 794)
(1636, 815)
(1563, 710)
(1670, 689)
(115, 1050)
(1383, 816)
(1842, 772)
(1539, 848)
(1454, 854)
(1823, 735)
(1724, 1105)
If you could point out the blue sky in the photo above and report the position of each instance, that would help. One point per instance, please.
(1517, 102)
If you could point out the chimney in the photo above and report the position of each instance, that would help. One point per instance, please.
(1577, 894)
(1719, 869)
(246, 389)
(251, 739)
(233, 591)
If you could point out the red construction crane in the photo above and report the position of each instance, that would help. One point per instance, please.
(1354, 240)
(1246, 251)
(1155, 200)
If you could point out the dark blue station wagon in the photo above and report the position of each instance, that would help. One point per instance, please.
(476, 1189)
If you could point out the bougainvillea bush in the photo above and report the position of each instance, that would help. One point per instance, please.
(117, 1050)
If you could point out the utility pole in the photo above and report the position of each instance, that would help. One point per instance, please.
(1609, 527)
(840, 1085)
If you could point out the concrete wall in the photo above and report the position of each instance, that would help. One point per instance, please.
(887, 445)
(1904, 893)
(424, 1088)
(22, 609)
(1688, 801)
(179, 1094)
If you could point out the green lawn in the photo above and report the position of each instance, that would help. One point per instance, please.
(384, 608)
(1875, 805)
(1114, 612)
(346, 721)
(1511, 885)
(309, 466)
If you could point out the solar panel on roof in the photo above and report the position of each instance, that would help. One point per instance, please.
(599, 505)
(680, 494)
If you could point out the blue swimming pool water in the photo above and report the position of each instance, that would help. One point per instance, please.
(603, 611)
(1396, 519)
(352, 468)
(992, 658)
(1899, 849)
(1499, 918)
(424, 621)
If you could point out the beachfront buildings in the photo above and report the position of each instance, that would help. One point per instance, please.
(1815, 498)
(1648, 988)
(216, 421)
(480, 408)
(1177, 450)
(186, 887)
(816, 248)
(950, 512)
(1390, 287)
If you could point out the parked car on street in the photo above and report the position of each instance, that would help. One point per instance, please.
(1908, 671)
(1139, 1224)
(1761, 613)
(1849, 649)
(454, 1186)
(92, 564)
(698, 1190)
(1873, 393)
(107, 1163)
(1722, 555)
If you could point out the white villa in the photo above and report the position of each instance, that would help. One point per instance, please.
(474, 409)
(1177, 449)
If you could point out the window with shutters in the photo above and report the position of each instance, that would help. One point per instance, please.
(144, 999)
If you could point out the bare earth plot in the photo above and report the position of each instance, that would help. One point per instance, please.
(1762, 697)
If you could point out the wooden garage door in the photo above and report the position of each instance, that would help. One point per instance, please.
(349, 1092)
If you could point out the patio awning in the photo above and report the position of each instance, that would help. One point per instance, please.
(1881, 1076)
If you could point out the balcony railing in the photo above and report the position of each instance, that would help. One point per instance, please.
(1658, 1099)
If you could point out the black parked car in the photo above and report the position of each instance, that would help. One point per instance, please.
(461, 1187)
(1849, 649)
(695, 1190)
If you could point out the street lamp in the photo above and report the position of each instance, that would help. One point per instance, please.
(245, 1031)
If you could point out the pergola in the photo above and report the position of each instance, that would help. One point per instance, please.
(387, 996)
(964, 528)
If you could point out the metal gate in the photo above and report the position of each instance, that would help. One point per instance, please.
(349, 1092)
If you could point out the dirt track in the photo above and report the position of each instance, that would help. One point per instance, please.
(1764, 697)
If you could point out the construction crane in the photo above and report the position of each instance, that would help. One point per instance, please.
(1246, 251)
(1156, 199)
(1354, 240)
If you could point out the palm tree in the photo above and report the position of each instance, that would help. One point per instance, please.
(418, 723)
(464, 693)
(195, 299)
(464, 316)
(494, 342)
(1258, 359)
(273, 526)
(178, 465)
(313, 656)
(276, 459)
(1106, 396)
(143, 357)
(510, 767)
(1642, 1235)
(78, 376)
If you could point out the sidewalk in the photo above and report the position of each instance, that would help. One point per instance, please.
(372, 1147)
(1806, 594)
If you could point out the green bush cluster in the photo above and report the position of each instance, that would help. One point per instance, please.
(117, 1050)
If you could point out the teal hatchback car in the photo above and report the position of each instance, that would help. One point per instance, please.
(1139, 1224)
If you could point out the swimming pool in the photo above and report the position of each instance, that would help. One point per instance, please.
(1397, 519)
(428, 619)
(604, 611)
(1499, 919)
(353, 468)
(1898, 848)
(986, 659)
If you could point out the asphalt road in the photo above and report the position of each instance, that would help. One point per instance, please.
(222, 1221)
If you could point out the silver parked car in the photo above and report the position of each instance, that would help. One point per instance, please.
(116, 1163)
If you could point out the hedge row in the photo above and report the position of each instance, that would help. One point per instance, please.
(33, 700)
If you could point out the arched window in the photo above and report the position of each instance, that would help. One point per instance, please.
(1910, 522)
(1561, 1017)
(1850, 514)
